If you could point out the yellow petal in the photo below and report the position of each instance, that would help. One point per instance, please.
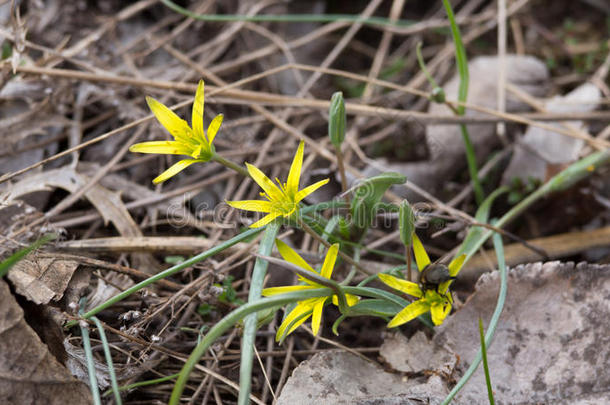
(439, 312)
(268, 292)
(294, 175)
(265, 220)
(300, 314)
(163, 147)
(405, 286)
(291, 256)
(309, 189)
(444, 286)
(174, 169)
(197, 117)
(421, 257)
(214, 127)
(175, 125)
(329, 261)
(316, 318)
(351, 299)
(409, 313)
(456, 265)
(252, 205)
(262, 180)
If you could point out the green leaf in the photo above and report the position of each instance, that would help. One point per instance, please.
(336, 119)
(9, 262)
(367, 196)
(406, 223)
(375, 307)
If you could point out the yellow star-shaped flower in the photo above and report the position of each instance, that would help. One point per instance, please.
(438, 301)
(311, 307)
(283, 200)
(193, 142)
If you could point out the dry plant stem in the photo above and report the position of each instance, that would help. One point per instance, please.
(287, 101)
(321, 240)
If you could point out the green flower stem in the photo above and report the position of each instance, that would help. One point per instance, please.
(250, 322)
(341, 167)
(166, 273)
(227, 322)
(321, 240)
(231, 165)
(493, 323)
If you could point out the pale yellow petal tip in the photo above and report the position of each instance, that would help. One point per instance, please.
(394, 324)
(160, 179)
(152, 102)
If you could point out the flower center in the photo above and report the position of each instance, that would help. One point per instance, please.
(286, 206)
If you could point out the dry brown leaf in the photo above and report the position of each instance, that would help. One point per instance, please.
(29, 374)
(108, 203)
(42, 279)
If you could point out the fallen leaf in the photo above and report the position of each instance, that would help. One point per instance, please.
(29, 374)
(108, 203)
(42, 279)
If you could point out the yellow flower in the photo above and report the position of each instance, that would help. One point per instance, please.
(283, 200)
(187, 141)
(438, 301)
(310, 307)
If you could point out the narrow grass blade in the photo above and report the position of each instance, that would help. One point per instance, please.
(95, 392)
(493, 323)
(250, 322)
(462, 65)
(10, 261)
(143, 384)
(108, 355)
(490, 392)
